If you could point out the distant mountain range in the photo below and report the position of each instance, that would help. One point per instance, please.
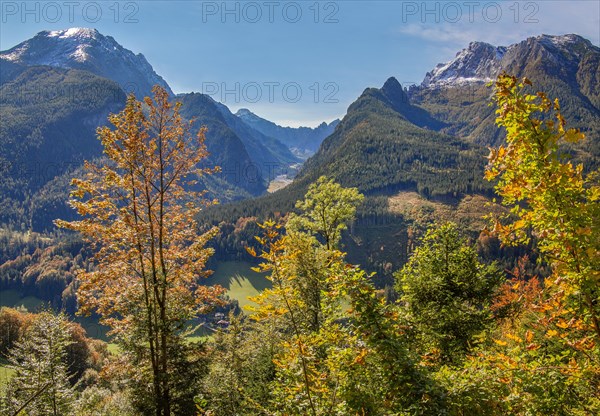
(57, 87)
(303, 141)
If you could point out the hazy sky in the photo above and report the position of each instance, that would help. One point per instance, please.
(299, 62)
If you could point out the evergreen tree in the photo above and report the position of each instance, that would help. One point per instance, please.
(446, 292)
(40, 384)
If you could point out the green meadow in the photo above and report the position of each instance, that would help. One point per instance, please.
(239, 280)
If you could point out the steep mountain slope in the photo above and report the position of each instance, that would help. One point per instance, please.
(226, 149)
(269, 154)
(303, 141)
(385, 144)
(49, 120)
(566, 67)
(87, 49)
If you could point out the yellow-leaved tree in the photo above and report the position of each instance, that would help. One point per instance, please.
(550, 197)
(544, 356)
(138, 212)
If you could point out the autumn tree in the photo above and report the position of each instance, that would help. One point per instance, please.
(313, 236)
(326, 211)
(303, 304)
(11, 321)
(543, 356)
(138, 211)
(298, 265)
(554, 343)
(550, 198)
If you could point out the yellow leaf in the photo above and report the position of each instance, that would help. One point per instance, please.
(360, 358)
(500, 342)
(573, 135)
(529, 336)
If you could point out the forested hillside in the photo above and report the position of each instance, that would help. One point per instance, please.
(49, 121)
(455, 335)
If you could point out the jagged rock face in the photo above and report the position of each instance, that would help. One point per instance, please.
(481, 62)
(87, 49)
(566, 67)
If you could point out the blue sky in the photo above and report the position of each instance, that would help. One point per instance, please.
(299, 62)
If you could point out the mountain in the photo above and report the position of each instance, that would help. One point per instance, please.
(303, 141)
(269, 153)
(49, 120)
(385, 144)
(248, 159)
(480, 62)
(58, 87)
(566, 67)
(378, 148)
(419, 153)
(87, 49)
(226, 148)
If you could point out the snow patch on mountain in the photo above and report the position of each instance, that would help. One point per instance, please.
(88, 49)
(481, 62)
(478, 63)
(74, 32)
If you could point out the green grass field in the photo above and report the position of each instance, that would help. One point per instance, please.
(235, 276)
(239, 280)
(13, 299)
(5, 374)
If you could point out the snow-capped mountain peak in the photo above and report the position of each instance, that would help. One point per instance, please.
(75, 32)
(481, 62)
(88, 49)
(478, 63)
